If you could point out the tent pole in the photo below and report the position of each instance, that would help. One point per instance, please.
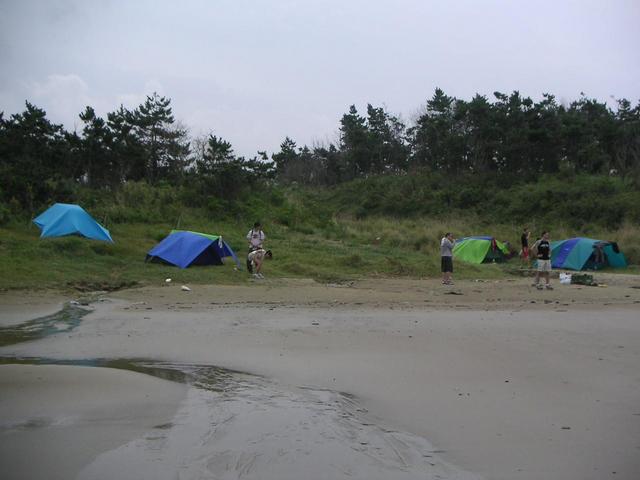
(178, 222)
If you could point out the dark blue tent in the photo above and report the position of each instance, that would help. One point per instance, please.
(67, 219)
(183, 249)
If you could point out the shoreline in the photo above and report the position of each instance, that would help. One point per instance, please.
(615, 290)
(524, 391)
(511, 294)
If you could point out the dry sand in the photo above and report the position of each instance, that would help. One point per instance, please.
(494, 377)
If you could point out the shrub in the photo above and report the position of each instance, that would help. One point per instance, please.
(102, 248)
(66, 245)
(355, 261)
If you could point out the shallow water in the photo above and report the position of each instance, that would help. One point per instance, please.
(63, 321)
(233, 425)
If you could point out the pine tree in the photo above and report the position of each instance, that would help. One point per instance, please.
(164, 146)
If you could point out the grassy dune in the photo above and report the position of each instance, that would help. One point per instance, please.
(342, 249)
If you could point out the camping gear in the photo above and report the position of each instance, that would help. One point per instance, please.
(565, 278)
(67, 219)
(586, 254)
(583, 279)
(183, 249)
(480, 249)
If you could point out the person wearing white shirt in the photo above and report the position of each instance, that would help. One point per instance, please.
(256, 238)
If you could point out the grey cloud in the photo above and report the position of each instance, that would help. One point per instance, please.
(256, 71)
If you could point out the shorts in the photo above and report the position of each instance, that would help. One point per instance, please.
(446, 264)
(525, 252)
(544, 265)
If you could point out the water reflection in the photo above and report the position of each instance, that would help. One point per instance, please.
(63, 321)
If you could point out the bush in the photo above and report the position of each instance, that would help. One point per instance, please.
(102, 248)
(72, 245)
(5, 213)
(354, 261)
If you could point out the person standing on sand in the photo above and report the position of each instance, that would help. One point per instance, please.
(524, 240)
(446, 258)
(256, 238)
(543, 254)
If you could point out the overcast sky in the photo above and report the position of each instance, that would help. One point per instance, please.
(255, 71)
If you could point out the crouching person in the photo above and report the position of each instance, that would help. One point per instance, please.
(256, 258)
(256, 238)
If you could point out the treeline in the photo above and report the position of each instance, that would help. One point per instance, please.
(507, 139)
(41, 162)
(511, 137)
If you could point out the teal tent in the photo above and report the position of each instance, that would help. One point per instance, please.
(480, 249)
(586, 254)
(64, 219)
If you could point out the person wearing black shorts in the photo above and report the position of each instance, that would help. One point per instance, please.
(446, 258)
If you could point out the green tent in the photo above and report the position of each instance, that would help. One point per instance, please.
(480, 249)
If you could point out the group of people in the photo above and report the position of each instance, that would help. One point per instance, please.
(541, 247)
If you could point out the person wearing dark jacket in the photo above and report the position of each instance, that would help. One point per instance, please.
(542, 248)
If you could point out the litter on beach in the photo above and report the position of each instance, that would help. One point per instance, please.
(565, 278)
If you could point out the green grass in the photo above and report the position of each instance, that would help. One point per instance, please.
(345, 249)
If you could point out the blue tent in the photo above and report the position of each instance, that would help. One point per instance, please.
(67, 219)
(183, 248)
(586, 253)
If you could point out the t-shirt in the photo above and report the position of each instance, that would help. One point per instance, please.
(544, 249)
(524, 240)
(446, 247)
(256, 237)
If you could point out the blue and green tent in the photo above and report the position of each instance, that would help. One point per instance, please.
(184, 248)
(64, 219)
(480, 249)
(586, 254)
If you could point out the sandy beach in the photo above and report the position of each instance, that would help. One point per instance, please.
(381, 378)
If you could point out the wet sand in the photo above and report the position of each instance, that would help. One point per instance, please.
(20, 307)
(54, 420)
(481, 378)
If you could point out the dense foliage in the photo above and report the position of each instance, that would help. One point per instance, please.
(510, 158)
(513, 138)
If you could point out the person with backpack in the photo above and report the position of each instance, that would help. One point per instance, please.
(256, 237)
